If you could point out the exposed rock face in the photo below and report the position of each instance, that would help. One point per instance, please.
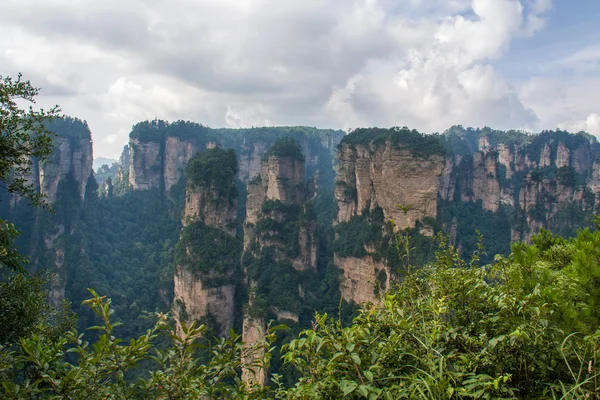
(70, 164)
(145, 165)
(252, 333)
(251, 160)
(535, 177)
(281, 179)
(204, 205)
(177, 154)
(363, 277)
(196, 301)
(281, 186)
(160, 151)
(476, 180)
(284, 179)
(386, 177)
(70, 156)
(196, 294)
(123, 164)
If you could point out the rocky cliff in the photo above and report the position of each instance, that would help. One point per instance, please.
(279, 241)
(507, 185)
(532, 181)
(160, 151)
(63, 177)
(396, 172)
(208, 253)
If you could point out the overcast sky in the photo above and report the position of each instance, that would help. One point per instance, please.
(426, 64)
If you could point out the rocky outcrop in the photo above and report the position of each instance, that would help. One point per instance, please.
(159, 151)
(531, 177)
(194, 300)
(253, 332)
(251, 159)
(70, 156)
(206, 205)
(283, 178)
(204, 283)
(363, 279)
(123, 164)
(145, 164)
(279, 232)
(370, 176)
(66, 171)
(177, 154)
(384, 176)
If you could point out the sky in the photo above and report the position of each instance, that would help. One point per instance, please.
(425, 64)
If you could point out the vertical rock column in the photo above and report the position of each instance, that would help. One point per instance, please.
(374, 177)
(208, 252)
(279, 241)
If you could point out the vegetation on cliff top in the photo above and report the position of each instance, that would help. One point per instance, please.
(241, 139)
(214, 168)
(285, 147)
(419, 144)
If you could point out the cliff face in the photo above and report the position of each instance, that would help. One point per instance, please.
(507, 185)
(208, 252)
(123, 163)
(70, 156)
(386, 176)
(160, 151)
(534, 179)
(381, 176)
(279, 240)
(63, 175)
(145, 164)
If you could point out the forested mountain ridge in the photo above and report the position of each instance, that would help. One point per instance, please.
(323, 209)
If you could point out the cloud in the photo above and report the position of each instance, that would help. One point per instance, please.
(447, 79)
(332, 63)
(591, 125)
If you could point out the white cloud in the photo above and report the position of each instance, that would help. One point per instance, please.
(335, 63)
(446, 80)
(591, 125)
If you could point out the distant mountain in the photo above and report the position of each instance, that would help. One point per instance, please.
(100, 161)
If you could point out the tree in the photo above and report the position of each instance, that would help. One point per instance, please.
(24, 137)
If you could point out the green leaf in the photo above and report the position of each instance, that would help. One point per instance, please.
(347, 387)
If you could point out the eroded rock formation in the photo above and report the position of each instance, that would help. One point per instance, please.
(208, 253)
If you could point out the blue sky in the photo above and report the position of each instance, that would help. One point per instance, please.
(572, 25)
(426, 64)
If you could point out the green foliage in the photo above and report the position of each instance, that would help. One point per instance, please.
(552, 139)
(524, 326)
(104, 172)
(24, 135)
(368, 230)
(462, 141)
(285, 147)
(10, 258)
(280, 222)
(70, 368)
(468, 218)
(215, 168)
(420, 145)
(211, 252)
(455, 331)
(25, 310)
(363, 229)
(149, 131)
